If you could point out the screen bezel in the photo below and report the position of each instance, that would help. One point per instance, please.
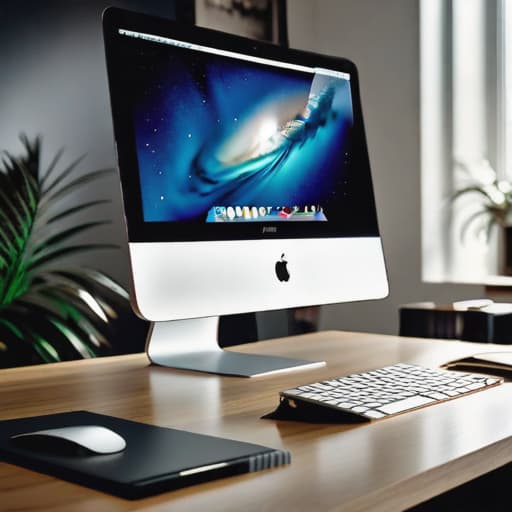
(142, 231)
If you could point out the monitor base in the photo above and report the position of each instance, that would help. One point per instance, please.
(192, 345)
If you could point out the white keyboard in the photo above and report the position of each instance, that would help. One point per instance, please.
(388, 391)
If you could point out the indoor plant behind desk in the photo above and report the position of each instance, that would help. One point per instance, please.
(50, 312)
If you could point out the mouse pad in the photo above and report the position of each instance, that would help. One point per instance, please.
(155, 460)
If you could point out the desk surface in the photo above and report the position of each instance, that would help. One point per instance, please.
(387, 465)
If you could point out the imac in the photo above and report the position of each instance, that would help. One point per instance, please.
(246, 184)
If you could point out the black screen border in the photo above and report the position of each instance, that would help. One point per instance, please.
(142, 231)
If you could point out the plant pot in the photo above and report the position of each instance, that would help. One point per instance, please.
(505, 251)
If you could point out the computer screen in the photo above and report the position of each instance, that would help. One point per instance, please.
(244, 170)
(253, 140)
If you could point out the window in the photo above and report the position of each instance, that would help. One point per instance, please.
(466, 132)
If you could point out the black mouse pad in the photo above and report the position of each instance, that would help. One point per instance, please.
(155, 460)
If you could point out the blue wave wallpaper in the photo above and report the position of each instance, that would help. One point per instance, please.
(214, 131)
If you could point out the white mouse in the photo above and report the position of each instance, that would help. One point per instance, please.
(97, 439)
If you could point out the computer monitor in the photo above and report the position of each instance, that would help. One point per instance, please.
(246, 184)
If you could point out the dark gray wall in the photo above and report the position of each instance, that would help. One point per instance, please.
(53, 82)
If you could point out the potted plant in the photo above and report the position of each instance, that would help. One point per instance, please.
(495, 207)
(50, 312)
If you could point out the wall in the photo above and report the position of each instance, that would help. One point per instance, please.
(382, 38)
(53, 82)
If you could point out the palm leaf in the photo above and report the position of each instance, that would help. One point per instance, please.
(14, 215)
(16, 240)
(47, 316)
(49, 195)
(33, 149)
(75, 340)
(55, 254)
(488, 230)
(40, 328)
(473, 188)
(51, 167)
(469, 221)
(65, 235)
(45, 349)
(85, 275)
(50, 315)
(6, 245)
(63, 175)
(75, 209)
(65, 306)
(3, 262)
(11, 327)
(80, 298)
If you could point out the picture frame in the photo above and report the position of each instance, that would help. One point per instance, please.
(256, 19)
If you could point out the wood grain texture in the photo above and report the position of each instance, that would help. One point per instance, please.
(387, 465)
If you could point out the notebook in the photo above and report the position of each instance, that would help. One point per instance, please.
(155, 460)
(486, 362)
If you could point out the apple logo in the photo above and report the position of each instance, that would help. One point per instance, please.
(281, 270)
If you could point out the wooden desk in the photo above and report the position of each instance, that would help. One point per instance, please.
(387, 465)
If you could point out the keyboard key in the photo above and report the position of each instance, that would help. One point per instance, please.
(374, 414)
(404, 405)
(294, 392)
(476, 385)
(437, 395)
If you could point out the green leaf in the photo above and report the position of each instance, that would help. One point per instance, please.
(11, 327)
(32, 333)
(16, 285)
(71, 305)
(79, 182)
(98, 277)
(66, 234)
(47, 349)
(6, 243)
(77, 343)
(44, 303)
(16, 240)
(63, 175)
(49, 326)
(75, 209)
(83, 296)
(61, 302)
(32, 189)
(51, 256)
(15, 213)
(51, 167)
(82, 288)
(33, 149)
(490, 225)
(469, 221)
(474, 188)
